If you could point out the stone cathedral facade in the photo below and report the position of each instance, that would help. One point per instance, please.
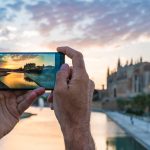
(129, 80)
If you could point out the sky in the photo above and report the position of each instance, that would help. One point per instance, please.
(15, 61)
(103, 30)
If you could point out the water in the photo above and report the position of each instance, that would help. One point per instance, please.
(42, 132)
(121, 141)
(11, 79)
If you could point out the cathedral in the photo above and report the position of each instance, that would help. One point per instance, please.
(129, 80)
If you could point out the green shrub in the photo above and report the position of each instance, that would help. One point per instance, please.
(136, 105)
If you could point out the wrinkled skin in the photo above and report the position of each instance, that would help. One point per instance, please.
(71, 99)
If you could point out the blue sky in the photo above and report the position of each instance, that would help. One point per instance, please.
(102, 29)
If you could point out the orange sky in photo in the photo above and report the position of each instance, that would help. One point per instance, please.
(11, 63)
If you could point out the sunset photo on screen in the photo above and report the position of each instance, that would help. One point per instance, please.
(27, 71)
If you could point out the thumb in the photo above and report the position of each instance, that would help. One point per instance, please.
(62, 76)
(27, 99)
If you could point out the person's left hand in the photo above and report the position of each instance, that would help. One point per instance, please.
(12, 105)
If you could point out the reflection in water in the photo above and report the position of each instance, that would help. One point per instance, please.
(28, 79)
(42, 132)
(11, 79)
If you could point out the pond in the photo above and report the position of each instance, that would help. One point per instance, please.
(12, 78)
(42, 132)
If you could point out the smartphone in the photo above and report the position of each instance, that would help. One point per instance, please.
(27, 71)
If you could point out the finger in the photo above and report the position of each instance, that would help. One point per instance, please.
(50, 98)
(51, 106)
(28, 99)
(62, 77)
(77, 58)
(19, 93)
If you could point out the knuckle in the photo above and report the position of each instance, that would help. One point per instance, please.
(83, 78)
(67, 47)
(79, 55)
(85, 75)
(92, 84)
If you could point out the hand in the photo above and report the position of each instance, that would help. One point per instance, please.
(72, 97)
(12, 105)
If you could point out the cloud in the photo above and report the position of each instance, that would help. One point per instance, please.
(21, 57)
(3, 13)
(112, 21)
(102, 29)
(16, 57)
(16, 6)
(76, 22)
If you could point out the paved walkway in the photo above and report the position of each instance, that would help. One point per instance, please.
(140, 130)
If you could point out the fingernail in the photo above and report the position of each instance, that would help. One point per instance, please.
(64, 67)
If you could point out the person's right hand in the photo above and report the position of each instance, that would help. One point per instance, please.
(72, 97)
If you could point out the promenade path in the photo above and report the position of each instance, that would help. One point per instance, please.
(140, 130)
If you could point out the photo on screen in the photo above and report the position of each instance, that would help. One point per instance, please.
(28, 71)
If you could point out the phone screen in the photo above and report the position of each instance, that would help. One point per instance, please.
(27, 71)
